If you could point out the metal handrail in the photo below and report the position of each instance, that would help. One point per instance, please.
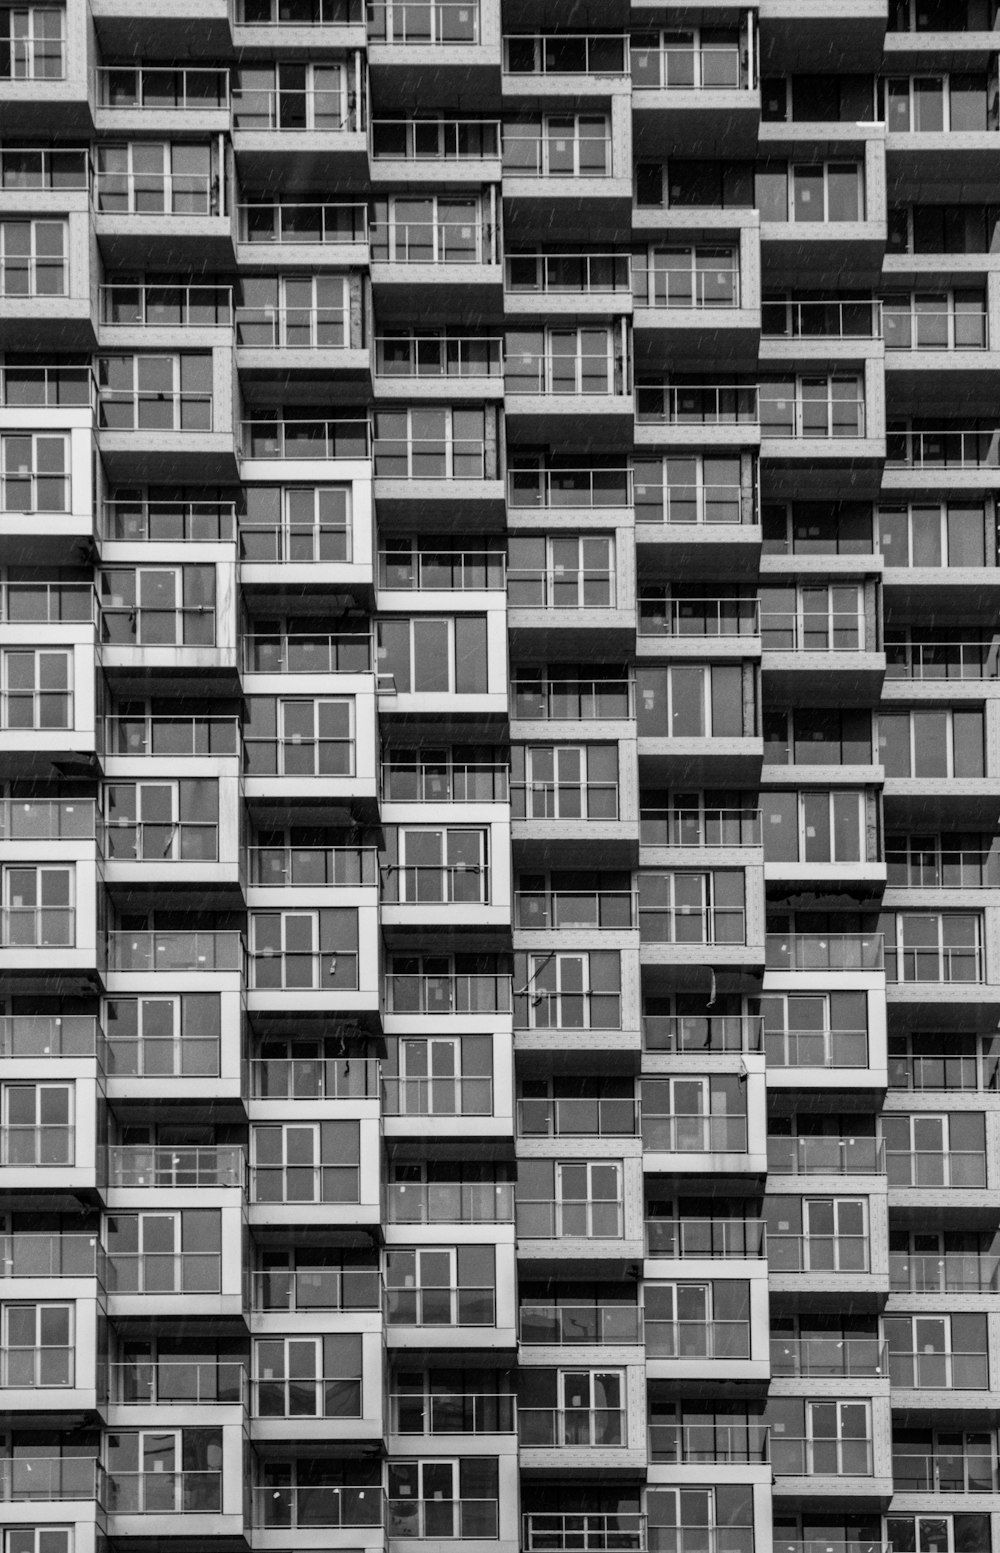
(446, 131)
(702, 1033)
(289, 228)
(450, 355)
(324, 108)
(683, 1132)
(286, 327)
(682, 286)
(668, 616)
(591, 489)
(575, 1116)
(940, 659)
(208, 522)
(948, 448)
(185, 736)
(423, 23)
(698, 1239)
(852, 318)
(600, 272)
(113, 79)
(699, 827)
(541, 910)
(315, 1078)
(829, 1355)
(183, 1165)
(543, 1324)
(334, 438)
(700, 404)
(292, 867)
(595, 58)
(825, 951)
(171, 950)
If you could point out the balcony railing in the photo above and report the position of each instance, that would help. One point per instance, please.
(447, 571)
(852, 318)
(49, 386)
(450, 1202)
(831, 417)
(928, 1371)
(692, 925)
(549, 155)
(459, 1306)
(306, 1289)
(702, 1444)
(577, 1218)
(792, 1457)
(157, 89)
(541, 1325)
(716, 284)
(336, 438)
(293, 221)
(155, 194)
(451, 1412)
(299, 13)
(576, 274)
(306, 652)
(296, 544)
(572, 700)
(451, 884)
(829, 1356)
(589, 489)
(51, 1478)
(193, 1056)
(593, 1428)
(935, 963)
(578, 1117)
(833, 1253)
(47, 819)
(164, 1493)
(678, 1132)
(838, 631)
(936, 1167)
(934, 329)
(548, 910)
(449, 782)
(435, 140)
(706, 404)
(566, 53)
(476, 992)
(699, 827)
(50, 1255)
(174, 737)
(422, 23)
(543, 1009)
(965, 1469)
(293, 328)
(702, 1033)
(50, 1144)
(448, 1096)
(431, 242)
(714, 67)
(317, 1506)
(438, 356)
(823, 1156)
(45, 167)
(307, 109)
(592, 1531)
(164, 1272)
(306, 1396)
(942, 660)
(816, 1048)
(946, 1070)
(303, 970)
(37, 927)
(946, 868)
(945, 1272)
(710, 504)
(315, 1078)
(170, 950)
(433, 1519)
(824, 952)
(696, 1239)
(176, 1382)
(949, 448)
(142, 1165)
(210, 522)
(188, 841)
(690, 617)
(320, 867)
(564, 801)
(47, 603)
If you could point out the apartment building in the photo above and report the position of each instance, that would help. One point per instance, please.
(500, 734)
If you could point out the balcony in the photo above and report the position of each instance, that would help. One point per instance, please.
(699, 1239)
(937, 1371)
(146, 520)
(180, 1167)
(560, 910)
(406, 782)
(177, 1383)
(705, 1034)
(295, 130)
(164, 1493)
(437, 1097)
(967, 1468)
(975, 659)
(313, 868)
(318, 1507)
(134, 98)
(687, 1340)
(564, 1218)
(819, 319)
(945, 1272)
(283, 651)
(309, 1400)
(739, 1444)
(710, 415)
(277, 439)
(683, 620)
(698, 828)
(690, 94)
(438, 358)
(568, 490)
(315, 1078)
(177, 219)
(597, 1532)
(441, 571)
(51, 1255)
(681, 1132)
(167, 952)
(957, 1169)
(437, 1519)
(913, 450)
(416, 265)
(824, 1254)
(848, 1457)
(936, 963)
(451, 1412)
(471, 993)
(458, 1306)
(156, 1273)
(35, 1036)
(578, 1117)
(823, 1048)
(557, 1427)
(305, 1290)
(449, 1202)
(156, 737)
(291, 232)
(571, 700)
(825, 1156)
(51, 1480)
(829, 1357)
(825, 952)
(558, 1326)
(537, 64)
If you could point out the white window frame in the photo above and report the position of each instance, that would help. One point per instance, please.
(18, 695)
(592, 1208)
(315, 703)
(928, 506)
(839, 1440)
(25, 44)
(837, 1236)
(34, 473)
(826, 165)
(31, 261)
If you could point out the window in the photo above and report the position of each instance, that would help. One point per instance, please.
(816, 1029)
(308, 1377)
(932, 742)
(165, 1471)
(155, 393)
(699, 276)
(691, 701)
(935, 320)
(158, 606)
(294, 312)
(806, 618)
(305, 950)
(37, 1121)
(692, 908)
(690, 488)
(441, 1075)
(835, 1234)
(440, 1286)
(696, 1520)
(34, 472)
(938, 1353)
(430, 229)
(421, 22)
(821, 826)
(566, 990)
(697, 1320)
(838, 1439)
(304, 737)
(808, 406)
(935, 860)
(431, 654)
(176, 1036)
(444, 1499)
(36, 688)
(292, 96)
(937, 533)
(678, 60)
(44, 167)
(589, 1201)
(933, 946)
(38, 1539)
(430, 444)
(150, 178)
(810, 191)
(691, 1114)
(37, 1345)
(297, 524)
(577, 359)
(437, 866)
(563, 571)
(162, 821)
(32, 42)
(935, 1149)
(38, 906)
(947, 1461)
(307, 1162)
(935, 104)
(938, 1533)
(33, 258)
(818, 738)
(570, 145)
(572, 1407)
(165, 1252)
(565, 781)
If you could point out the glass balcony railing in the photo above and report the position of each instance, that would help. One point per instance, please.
(944, 1272)
(702, 1033)
(461, 1306)
(691, 925)
(438, 356)
(176, 1382)
(306, 1289)
(805, 1156)
(50, 1255)
(956, 660)
(423, 23)
(594, 1428)
(578, 1117)
(840, 318)
(713, 67)
(450, 1095)
(37, 927)
(542, 1325)
(688, 285)
(292, 221)
(697, 1239)
(450, 1202)
(50, 1035)
(317, 1506)
(434, 1519)
(159, 89)
(178, 737)
(307, 970)
(283, 867)
(589, 489)
(948, 448)
(546, 910)
(699, 827)
(588, 1531)
(286, 438)
(582, 1218)
(51, 1479)
(967, 1468)
(164, 1272)
(835, 1253)
(171, 950)
(703, 1444)
(139, 1165)
(937, 1371)
(168, 521)
(700, 404)
(474, 992)
(936, 1167)
(696, 1339)
(164, 1493)
(451, 1412)
(824, 952)
(829, 1355)
(449, 782)
(565, 53)
(47, 603)
(816, 1048)
(315, 1078)
(796, 1457)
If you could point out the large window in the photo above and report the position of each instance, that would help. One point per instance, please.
(935, 533)
(155, 393)
(430, 443)
(293, 95)
(307, 1162)
(930, 104)
(305, 736)
(430, 229)
(305, 950)
(559, 145)
(691, 701)
(33, 42)
(814, 826)
(294, 312)
(36, 689)
(308, 1377)
(34, 472)
(932, 742)
(561, 571)
(33, 258)
(431, 654)
(177, 1035)
(810, 191)
(822, 405)
(566, 359)
(158, 606)
(37, 1345)
(38, 904)
(37, 1124)
(700, 1519)
(691, 488)
(153, 178)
